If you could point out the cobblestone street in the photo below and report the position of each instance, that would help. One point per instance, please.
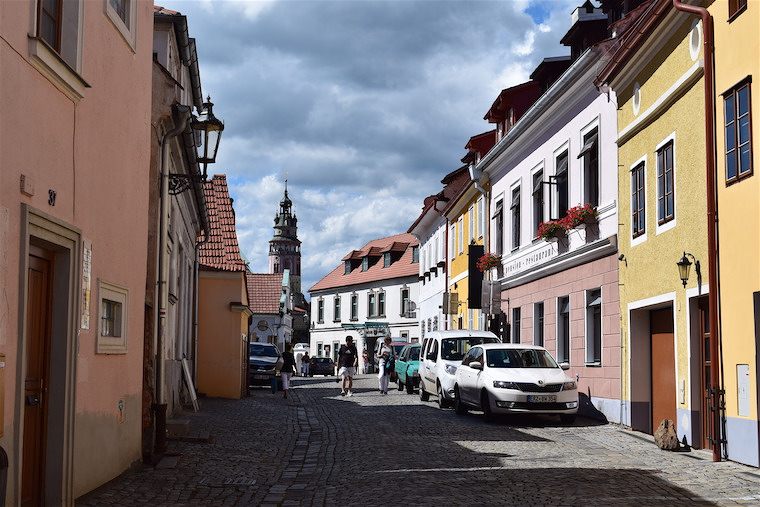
(318, 448)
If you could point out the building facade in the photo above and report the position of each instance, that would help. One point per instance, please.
(71, 281)
(271, 307)
(367, 297)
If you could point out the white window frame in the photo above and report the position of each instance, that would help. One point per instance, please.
(555, 201)
(643, 237)
(320, 303)
(515, 186)
(481, 216)
(471, 224)
(337, 308)
(594, 124)
(659, 229)
(557, 328)
(452, 241)
(543, 322)
(586, 324)
(128, 33)
(460, 235)
(120, 295)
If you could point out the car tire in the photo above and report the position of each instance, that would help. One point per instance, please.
(567, 418)
(485, 406)
(409, 386)
(424, 396)
(459, 407)
(442, 402)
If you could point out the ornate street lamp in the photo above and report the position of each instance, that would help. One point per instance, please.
(208, 129)
(684, 265)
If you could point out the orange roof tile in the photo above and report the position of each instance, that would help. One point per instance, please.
(221, 251)
(264, 291)
(399, 268)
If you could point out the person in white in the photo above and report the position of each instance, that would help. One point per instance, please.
(384, 354)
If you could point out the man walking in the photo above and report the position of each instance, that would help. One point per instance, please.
(348, 360)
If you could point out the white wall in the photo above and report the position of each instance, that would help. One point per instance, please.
(432, 250)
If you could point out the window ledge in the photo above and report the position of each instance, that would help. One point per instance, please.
(596, 364)
(56, 70)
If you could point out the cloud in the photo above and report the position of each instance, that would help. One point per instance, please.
(365, 105)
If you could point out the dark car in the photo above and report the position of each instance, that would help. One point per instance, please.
(321, 366)
(264, 362)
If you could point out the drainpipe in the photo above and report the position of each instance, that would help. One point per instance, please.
(196, 292)
(181, 115)
(712, 217)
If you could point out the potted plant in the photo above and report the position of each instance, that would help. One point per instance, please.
(552, 229)
(488, 261)
(581, 215)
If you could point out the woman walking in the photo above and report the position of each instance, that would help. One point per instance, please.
(288, 367)
(385, 360)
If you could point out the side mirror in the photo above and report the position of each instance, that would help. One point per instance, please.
(476, 365)
(430, 356)
(565, 366)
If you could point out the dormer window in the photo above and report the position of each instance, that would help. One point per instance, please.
(386, 259)
(346, 267)
(415, 254)
(365, 263)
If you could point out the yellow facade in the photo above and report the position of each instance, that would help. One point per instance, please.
(737, 56)
(467, 226)
(660, 94)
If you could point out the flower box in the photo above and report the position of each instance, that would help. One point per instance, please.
(488, 261)
(552, 229)
(580, 215)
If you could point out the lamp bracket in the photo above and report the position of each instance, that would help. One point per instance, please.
(178, 183)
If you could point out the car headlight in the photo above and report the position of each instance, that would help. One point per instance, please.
(505, 385)
(569, 386)
(450, 369)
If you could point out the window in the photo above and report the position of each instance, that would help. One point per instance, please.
(121, 14)
(415, 254)
(471, 225)
(424, 261)
(460, 237)
(594, 326)
(665, 191)
(319, 349)
(452, 238)
(563, 196)
(538, 201)
(336, 308)
(563, 329)
(469, 318)
(435, 323)
(320, 310)
(371, 305)
(498, 225)
(346, 267)
(49, 22)
(112, 319)
(404, 301)
(365, 263)
(736, 7)
(590, 155)
(738, 128)
(481, 216)
(638, 201)
(121, 8)
(515, 218)
(381, 304)
(515, 325)
(354, 307)
(538, 324)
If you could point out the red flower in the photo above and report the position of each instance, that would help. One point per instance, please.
(578, 215)
(552, 229)
(488, 261)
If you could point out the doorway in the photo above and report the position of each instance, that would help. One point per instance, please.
(705, 371)
(663, 377)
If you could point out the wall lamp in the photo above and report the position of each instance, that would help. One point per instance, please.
(684, 265)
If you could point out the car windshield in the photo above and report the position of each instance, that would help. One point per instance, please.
(397, 349)
(519, 358)
(454, 349)
(262, 350)
(414, 354)
(323, 360)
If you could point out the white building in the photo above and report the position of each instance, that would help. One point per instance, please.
(430, 230)
(366, 297)
(271, 304)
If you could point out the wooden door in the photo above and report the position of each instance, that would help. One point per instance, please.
(663, 367)
(705, 373)
(38, 327)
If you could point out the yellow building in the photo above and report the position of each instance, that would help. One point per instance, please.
(736, 26)
(657, 74)
(466, 219)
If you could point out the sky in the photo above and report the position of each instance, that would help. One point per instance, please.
(363, 105)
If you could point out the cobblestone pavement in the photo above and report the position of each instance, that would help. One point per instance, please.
(318, 448)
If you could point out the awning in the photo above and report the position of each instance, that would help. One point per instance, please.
(589, 145)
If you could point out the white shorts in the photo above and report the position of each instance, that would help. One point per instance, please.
(347, 372)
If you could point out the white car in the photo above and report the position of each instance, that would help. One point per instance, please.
(442, 352)
(514, 378)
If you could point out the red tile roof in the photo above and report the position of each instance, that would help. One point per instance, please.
(519, 97)
(221, 251)
(455, 182)
(157, 9)
(264, 291)
(399, 268)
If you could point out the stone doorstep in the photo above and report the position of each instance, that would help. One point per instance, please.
(177, 427)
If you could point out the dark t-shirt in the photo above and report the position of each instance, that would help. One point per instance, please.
(347, 355)
(288, 362)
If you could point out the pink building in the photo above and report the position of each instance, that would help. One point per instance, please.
(75, 92)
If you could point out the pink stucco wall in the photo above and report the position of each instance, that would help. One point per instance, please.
(94, 153)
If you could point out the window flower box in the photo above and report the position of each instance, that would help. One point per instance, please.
(488, 261)
(552, 229)
(585, 214)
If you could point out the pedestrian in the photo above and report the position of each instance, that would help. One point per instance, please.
(305, 364)
(288, 367)
(386, 363)
(348, 359)
(365, 359)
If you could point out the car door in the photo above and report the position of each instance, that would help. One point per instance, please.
(477, 380)
(429, 360)
(401, 364)
(465, 377)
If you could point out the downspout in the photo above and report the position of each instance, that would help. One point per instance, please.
(196, 292)
(181, 115)
(712, 218)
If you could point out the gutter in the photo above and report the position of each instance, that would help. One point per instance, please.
(716, 390)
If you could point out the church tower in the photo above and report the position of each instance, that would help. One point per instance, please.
(284, 247)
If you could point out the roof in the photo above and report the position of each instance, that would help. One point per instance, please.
(520, 97)
(221, 250)
(481, 143)
(264, 291)
(401, 267)
(454, 183)
(157, 9)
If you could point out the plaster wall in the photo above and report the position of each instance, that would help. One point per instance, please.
(433, 284)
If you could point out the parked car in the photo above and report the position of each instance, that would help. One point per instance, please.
(321, 366)
(514, 378)
(396, 346)
(442, 352)
(264, 363)
(407, 368)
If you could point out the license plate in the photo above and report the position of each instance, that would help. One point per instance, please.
(542, 399)
(261, 377)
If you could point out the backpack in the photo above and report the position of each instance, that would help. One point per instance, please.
(390, 364)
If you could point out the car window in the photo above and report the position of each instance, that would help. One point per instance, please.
(468, 357)
(425, 344)
(404, 353)
(520, 358)
(433, 351)
(414, 354)
(479, 355)
(454, 349)
(256, 349)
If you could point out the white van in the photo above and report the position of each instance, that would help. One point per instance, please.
(442, 353)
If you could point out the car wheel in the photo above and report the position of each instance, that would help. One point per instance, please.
(409, 386)
(459, 407)
(442, 403)
(424, 396)
(485, 406)
(567, 418)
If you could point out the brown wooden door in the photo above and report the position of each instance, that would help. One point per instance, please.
(663, 367)
(705, 373)
(38, 326)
